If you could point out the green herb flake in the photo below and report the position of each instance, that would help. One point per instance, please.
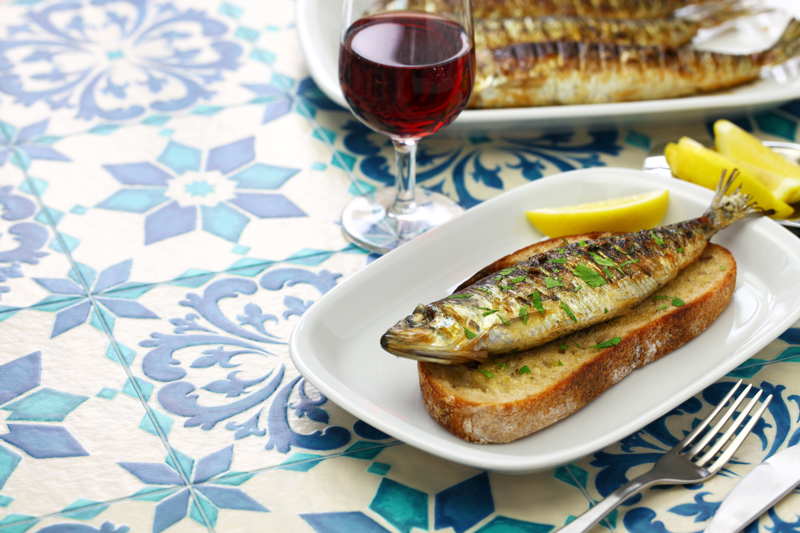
(609, 343)
(569, 312)
(536, 300)
(658, 297)
(506, 271)
(657, 238)
(605, 261)
(562, 348)
(583, 243)
(628, 262)
(677, 302)
(552, 282)
(578, 346)
(485, 290)
(662, 307)
(523, 314)
(487, 311)
(486, 373)
(501, 366)
(560, 362)
(502, 320)
(679, 249)
(524, 370)
(589, 275)
(469, 334)
(605, 310)
(723, 268)
(460, 296)
(518, 279)
(558, 260)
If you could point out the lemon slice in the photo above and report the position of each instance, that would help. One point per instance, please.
(624, 214)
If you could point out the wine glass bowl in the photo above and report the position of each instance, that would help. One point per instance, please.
(405, 71)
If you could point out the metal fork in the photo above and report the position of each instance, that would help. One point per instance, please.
(694, 459)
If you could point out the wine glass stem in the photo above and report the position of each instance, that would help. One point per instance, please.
(405, 151)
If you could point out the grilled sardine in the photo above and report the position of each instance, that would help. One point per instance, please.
(570, 72)
(560, 291)
(621, 9)
(669, 32)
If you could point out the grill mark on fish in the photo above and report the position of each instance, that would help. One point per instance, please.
(612, 274)
(570, 72)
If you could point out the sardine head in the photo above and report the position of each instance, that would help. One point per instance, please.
(427, 335)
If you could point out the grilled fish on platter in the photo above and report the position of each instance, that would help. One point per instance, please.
(560, 291)
(571, 72)
(670, 31)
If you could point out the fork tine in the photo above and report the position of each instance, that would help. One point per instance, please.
(720, 422)
(737, 442)
(696, 431)
(723, 440)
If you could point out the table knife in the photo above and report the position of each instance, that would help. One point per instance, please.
(758, 491)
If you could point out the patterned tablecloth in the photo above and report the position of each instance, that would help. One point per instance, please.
(170, 182)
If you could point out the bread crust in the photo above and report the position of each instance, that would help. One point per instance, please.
(501, 422)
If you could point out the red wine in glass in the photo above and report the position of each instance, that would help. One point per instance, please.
(406, 74)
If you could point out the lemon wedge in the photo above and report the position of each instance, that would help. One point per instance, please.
(775, 171)
(624, 214)
(691, 161)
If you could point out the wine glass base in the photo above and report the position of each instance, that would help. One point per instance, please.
(367, 222)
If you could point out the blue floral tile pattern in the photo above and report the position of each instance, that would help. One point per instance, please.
(170, 185)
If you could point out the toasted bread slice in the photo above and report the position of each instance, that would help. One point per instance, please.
(501, 400)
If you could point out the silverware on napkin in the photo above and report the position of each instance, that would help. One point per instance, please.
(759, 490)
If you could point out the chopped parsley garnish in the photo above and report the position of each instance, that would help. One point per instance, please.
(487, 311)
(486, 373)
(562, 348)
(658, 297)
(609, 343)
(677, 302)
(536, 300)
(605, 261)
(661, 307)
(620, 249)
(589, 275)
(502, 365)
(628, 262)
(583, 243)
(680, 249)
(459, 296)
(552, 282)
(506, 271)
(657, 238)
(523, 314)
(485, 289)
(723, 268)
(605, 309)
(502, 320)
(469, 334)
(524, 370)
(569, 312)
(518, 279)
(560, 362)
(558, 260)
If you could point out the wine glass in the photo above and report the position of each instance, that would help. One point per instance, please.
(406, 68)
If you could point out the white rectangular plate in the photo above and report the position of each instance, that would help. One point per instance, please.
(319, 25)
(336, 346)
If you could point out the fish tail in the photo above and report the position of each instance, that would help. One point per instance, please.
(729, 206)
(787, 46)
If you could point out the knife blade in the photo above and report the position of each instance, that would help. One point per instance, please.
(759, 490)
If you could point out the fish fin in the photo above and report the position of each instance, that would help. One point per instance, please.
(787, 46)
(729, 206)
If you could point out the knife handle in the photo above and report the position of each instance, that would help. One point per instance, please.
(587, 520)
